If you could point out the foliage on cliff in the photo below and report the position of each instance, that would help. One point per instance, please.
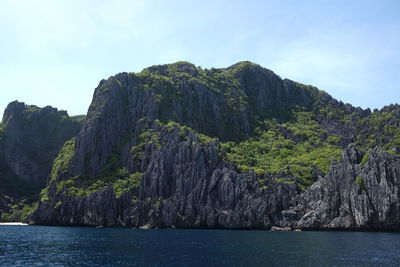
(305, 152)
(257, 122)
(265, 124)
(30, 139)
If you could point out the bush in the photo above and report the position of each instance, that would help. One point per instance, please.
(304, 156)
(360, 182)
(364, 159)
(129, 183)
(62, 162)
(19, 212)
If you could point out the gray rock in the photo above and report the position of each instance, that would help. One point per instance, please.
(354, 196)
(187, 184)
(32, 139)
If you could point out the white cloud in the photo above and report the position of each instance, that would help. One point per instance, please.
(50, 42)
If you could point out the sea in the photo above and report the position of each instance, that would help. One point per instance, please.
(82, 246)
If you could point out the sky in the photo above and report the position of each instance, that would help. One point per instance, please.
(55, 52)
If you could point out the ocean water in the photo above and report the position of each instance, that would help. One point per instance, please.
(78, 246)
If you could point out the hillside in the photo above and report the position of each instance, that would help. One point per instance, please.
(30, 138)
(180, 146)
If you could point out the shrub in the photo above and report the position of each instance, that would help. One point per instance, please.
(364, 159)
(360, 182)
(128, 183)
(272, 152)
(62, 162)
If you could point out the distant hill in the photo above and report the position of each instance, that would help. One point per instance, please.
(30, 139)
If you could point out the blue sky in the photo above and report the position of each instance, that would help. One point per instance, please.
(55, 52)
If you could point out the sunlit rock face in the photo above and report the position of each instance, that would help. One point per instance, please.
(153, 150)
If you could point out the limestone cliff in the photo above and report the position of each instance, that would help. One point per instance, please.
(30, 138)
(180, 146)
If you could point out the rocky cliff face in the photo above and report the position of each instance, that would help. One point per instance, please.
(360, 192)
(196, 190)
(150, 154)
(184, 184)
(226, 104)
(30, 138)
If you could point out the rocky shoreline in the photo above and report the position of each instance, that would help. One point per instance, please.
(335, 202)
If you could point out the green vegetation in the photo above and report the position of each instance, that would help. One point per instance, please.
(79, 118)
(18, 212)
(58, 204)
(360, 182)
(62, 162)
(283, 180)
(380, 129)
(304, 153)
(183, 130)
(152, 137)
(2, 131)
(113, 173)
(157, 203)
(120, 181)
(204, 139)
(295, 144)
(30, 109)
(364, 159)
(145, 138)
(168, 82)
(44, 195)
(130, 182)
(222, 81)
(37, 133)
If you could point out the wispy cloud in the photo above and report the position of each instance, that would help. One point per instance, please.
(63, 48)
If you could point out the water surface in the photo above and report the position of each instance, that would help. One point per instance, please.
(78, 246)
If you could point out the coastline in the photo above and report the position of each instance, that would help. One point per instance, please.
(271, 229)
(13, 224)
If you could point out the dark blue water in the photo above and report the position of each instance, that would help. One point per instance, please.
(69, 246)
